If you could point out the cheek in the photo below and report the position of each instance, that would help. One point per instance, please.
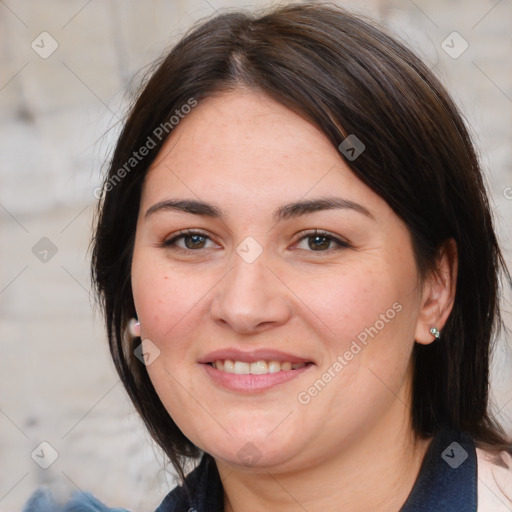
(344, 304)
(171, 310)
(366, 321)
(164, 298)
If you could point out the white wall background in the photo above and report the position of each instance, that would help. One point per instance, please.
(57, 383)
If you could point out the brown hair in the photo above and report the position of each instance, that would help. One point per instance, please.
(345, 76)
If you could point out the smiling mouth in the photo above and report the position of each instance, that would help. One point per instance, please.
(255, 368)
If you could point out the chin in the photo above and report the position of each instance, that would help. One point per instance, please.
(256, 452)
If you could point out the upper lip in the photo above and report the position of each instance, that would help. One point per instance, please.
(251, 356)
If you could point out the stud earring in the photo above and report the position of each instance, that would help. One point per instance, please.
(435, 333)
(134, 328)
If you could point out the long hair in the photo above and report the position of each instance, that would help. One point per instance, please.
(346, 76)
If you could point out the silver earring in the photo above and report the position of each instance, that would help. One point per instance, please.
(435, 333)
(134, 328)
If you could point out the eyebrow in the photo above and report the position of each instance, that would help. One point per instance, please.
(284, 212)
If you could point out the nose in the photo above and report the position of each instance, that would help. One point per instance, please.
(250, 298)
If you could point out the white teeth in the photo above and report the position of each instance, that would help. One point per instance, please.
(256, 368)
(229, 366)
(241, 368)
(274, 366)
(219, 364)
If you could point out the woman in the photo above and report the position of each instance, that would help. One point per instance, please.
(299, 273)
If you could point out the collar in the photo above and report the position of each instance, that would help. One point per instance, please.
(447, 479)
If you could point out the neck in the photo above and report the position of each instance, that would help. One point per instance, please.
(376, 472)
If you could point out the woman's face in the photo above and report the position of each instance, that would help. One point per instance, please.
(258, 246)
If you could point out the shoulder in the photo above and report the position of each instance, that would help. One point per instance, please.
(494, 481)
(42, 500)
(202, 491)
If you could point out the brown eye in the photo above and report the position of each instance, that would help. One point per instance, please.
(318, 241)
(192, 241)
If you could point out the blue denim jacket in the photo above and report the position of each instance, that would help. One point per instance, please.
(447, 482)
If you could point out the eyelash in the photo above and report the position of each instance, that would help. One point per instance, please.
(303, 235)
(340, 244)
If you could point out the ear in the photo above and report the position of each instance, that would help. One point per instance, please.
(438, 293)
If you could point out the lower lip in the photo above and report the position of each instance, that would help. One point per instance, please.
(252, 382)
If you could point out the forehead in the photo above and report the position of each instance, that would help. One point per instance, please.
(230, 127)
(243, 146)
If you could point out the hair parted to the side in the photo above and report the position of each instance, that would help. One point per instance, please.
(346, 76)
